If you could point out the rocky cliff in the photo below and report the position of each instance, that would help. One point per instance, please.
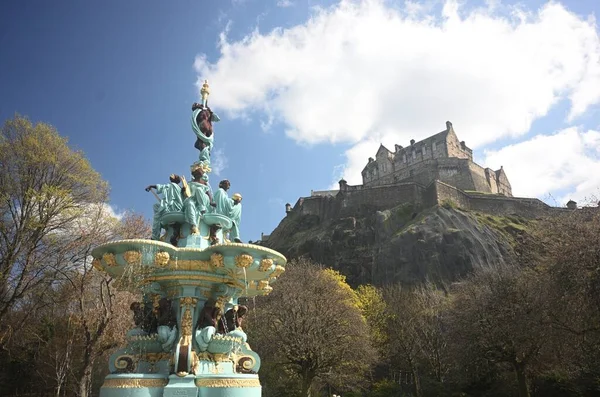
(442, 243)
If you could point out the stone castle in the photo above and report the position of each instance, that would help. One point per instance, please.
(440, 157)
(437, 170)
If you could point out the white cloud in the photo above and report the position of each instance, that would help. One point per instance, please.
(284, 3)
(365, 73)
(567, 161)
(218, 161)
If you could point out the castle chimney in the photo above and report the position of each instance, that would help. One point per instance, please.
(448, 126)
(371, 159)
(462, 144)
(288, 208)
(343, 185)
(412, 142)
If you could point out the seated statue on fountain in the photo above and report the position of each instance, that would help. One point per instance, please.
(231, 323)
(207, 324)
(171, 201)
(198, 198)
(230, 207)
(166, 324)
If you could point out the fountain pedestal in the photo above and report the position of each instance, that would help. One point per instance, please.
(171, 354)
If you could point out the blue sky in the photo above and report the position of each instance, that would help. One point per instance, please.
(306, 90)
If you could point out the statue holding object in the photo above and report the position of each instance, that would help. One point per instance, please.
(171, 201)
(198, 198)
(202, 119)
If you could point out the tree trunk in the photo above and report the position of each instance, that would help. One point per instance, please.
(417, 380)
(85, 382)
(307, 378)
(521, 379)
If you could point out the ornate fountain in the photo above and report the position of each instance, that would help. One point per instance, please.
(188, 339)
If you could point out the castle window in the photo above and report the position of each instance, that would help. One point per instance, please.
(424, 151)
(434, 146)
(414, 155)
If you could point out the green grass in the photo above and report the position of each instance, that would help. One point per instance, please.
(509, 225)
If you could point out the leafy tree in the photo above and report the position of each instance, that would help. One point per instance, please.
(310, 326)
(44, 186)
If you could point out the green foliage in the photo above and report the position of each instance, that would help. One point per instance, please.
(448, 204)
(373, 309)
(386, 388)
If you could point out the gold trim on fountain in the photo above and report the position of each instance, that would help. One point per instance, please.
(134, 383)
(227, 382)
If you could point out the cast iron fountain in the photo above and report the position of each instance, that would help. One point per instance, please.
(188, 340)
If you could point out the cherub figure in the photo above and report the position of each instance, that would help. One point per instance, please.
(171, 201)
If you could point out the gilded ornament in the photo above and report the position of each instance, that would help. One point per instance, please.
(243, 260)
(97, 264)
(265, 265)
(216, 260)
(278, 271)
(135, 383)
(263, 284)
(189, 264)
(188, 300)
(268, 289)
(109, 259)
(133, 257)
(161, 258)
(227, 382)
(153, 358)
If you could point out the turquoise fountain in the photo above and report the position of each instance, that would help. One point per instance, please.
(188, 339)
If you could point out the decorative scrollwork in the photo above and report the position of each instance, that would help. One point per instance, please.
(245, 364)
(125, 363)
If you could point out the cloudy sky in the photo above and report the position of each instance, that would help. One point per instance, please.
(308, 90)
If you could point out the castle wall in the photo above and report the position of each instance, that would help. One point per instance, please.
(442, 192)
(379, 197)
(500, 205)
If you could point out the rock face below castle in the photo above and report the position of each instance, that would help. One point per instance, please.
(440, 157)
(398, 245)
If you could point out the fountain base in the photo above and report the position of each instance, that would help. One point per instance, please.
(149, 385)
